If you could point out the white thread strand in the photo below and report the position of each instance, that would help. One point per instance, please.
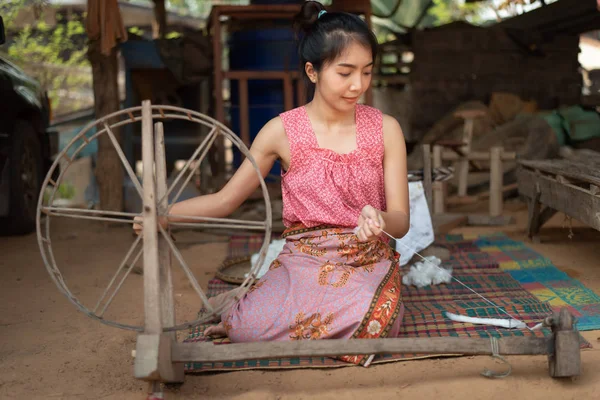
(457, 280)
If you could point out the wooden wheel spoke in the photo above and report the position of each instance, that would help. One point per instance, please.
(216, 223)
(158, 246)
(95, 215)
(124, 161)
(186, 270)
(198, 156)
(114, 278)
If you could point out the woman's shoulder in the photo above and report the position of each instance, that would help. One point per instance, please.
(372, 112)
(291, 113)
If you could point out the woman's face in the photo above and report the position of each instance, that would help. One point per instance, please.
(344, 80)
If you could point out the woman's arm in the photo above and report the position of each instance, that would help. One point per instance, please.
(397, 216)
(265, 149)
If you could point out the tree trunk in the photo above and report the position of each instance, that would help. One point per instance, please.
(159, 25)
(109, 169)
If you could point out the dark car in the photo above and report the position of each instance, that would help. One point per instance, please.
(26, 146)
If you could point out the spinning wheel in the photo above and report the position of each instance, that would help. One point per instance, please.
(159, 357)
(155, 244)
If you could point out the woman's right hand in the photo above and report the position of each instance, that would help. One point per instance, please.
(139, 220)
(137, 225)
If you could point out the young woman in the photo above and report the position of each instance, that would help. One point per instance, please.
(344, 167)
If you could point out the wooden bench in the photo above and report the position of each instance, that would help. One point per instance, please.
(568, 186)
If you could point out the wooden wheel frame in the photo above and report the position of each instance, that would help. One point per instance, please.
(157, 246)
(160, 358)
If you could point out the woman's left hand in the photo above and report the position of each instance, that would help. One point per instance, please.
(370, 224)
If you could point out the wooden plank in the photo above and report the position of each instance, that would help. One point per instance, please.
(207, 352)
(573, 201)
(496, 175)
(244, 112)
(427, 176)
(533, 208)
(218, 86)
(477, 156)
(300, 92)
(152, 306)
(438, 187)
(583, 156)
(567, 168)
(164, 252)
(175, 372)
(153, 359)
(545, 215)
(288, 93)
(262, 75)
(565, 360)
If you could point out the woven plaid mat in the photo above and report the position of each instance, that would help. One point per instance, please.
(480, 262)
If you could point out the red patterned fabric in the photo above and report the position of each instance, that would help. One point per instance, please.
(325, 187)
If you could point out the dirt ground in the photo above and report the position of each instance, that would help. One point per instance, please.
(50, 350)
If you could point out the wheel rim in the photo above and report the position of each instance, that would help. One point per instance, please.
(103, 126)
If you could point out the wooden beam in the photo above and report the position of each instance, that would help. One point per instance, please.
(496, 182)
(154, 359)
(427, 176)
(437, 186)
(208, 352)
(477, 156)
(262, 75)
(244, 112)
(300, 92)
(567, 168)
(288, 93)
(174, 371)
(218, 86)
(573, 201)
(152, 306)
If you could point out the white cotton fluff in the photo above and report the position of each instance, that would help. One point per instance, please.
(429, 272)
(273, 251)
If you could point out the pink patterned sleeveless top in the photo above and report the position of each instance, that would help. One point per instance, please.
(322, 187)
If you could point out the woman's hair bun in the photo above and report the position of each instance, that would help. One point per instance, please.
(308, 15)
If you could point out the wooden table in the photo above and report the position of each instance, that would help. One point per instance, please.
(568, 186)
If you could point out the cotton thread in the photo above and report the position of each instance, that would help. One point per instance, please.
(457, 280)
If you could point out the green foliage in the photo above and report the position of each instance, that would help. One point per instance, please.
(56, 57)
(446, 11)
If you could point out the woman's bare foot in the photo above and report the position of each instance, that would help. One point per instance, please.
(221, 302)
(216, 330)
(224, 300)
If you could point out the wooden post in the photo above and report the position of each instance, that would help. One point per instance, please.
(462, 165)
(244, 112)
(153, 322)
(496, 178)
(438, 187)
(288, 93)
(301, 92)
(164, 252)
(153, 347)
(218, 85)
(427, 175)
(565, 361)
